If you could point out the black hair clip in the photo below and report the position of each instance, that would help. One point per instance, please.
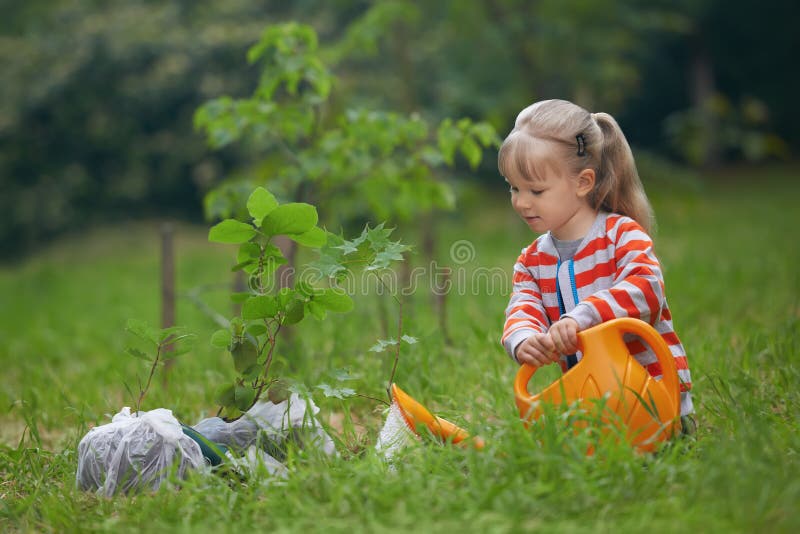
(581, 144)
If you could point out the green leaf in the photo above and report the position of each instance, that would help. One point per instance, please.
(245, 354)
(248, 251)
(244, 395)
(300, 389)
(221, 338)
(294, 312)
(136, 353)
(378, 237)
(328, 266)
(392, 251)
(291, 219)
(348, 247)
(226, 395)
(339, 393)
(318, 311)
(381, 345)
(385, 251)
(260, 204)
(285, 296)
(316, 237)
(486, 134)
(304, 288)
(334, 300)
(273, 252)
(410, 340)
(448, 137)
(176, 332)
(177, 350)
(256, 329)
(183, 339)
(231, 231)
(237, 326)
(142, 330)
(278, 392)
(357, 242)
(252, 372)
(244, 266)
(239, 298)
(259, 307)
(471, 151)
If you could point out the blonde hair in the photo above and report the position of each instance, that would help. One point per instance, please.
(617, 186)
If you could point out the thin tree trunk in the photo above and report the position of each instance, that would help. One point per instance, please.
(702, 91)
(440, 303)
(167, 286)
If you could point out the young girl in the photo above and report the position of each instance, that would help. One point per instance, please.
(573, 180)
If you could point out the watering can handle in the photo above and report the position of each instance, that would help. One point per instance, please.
(669, 372)
(524, 376)
(625, 325)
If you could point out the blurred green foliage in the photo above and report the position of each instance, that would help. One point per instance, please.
(357, 163)
(724, 129)
(95, 118)
(97, 97)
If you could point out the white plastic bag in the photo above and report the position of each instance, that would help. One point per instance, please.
(270, 425)
(295, 419)
(238, 435)
(135, 452)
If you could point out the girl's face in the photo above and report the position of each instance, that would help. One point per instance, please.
(555, 199)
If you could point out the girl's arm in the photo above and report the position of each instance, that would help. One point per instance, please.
(525, 313)
(638, 286)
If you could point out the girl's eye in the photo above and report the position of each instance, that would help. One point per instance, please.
(537, 192)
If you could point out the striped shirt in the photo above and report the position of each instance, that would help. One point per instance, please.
(614, 273)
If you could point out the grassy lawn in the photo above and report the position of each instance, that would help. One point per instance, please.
(731, 259)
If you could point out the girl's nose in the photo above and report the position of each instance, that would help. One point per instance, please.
(520, 201)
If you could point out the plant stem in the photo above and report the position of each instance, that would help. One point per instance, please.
(397, 347)
(399, 335)
(264, 382)
(272, 342)
(376, 399)
(143, 392)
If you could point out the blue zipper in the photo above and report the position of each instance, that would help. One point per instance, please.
(572, 359)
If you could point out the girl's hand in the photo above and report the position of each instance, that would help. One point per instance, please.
(564, 335)
(537, 350)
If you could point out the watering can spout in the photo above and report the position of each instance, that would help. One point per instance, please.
(608, 376)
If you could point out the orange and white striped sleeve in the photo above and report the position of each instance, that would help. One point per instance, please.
(525, 313)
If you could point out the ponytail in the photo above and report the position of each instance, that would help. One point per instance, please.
(618, 188)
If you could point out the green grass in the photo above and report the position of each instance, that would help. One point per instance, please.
(730, 255)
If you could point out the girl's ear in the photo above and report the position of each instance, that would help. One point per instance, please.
(586, 179)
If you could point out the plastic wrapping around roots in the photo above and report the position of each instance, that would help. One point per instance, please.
(140, 451)
(135, 452)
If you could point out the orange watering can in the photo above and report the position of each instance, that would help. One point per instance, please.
(608, 377)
